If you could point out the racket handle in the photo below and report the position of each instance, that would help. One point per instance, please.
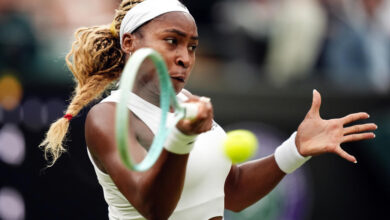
(191, 109)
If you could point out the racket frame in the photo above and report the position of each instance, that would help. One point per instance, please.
(167, 98)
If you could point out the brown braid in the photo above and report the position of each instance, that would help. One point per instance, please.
(96, 61)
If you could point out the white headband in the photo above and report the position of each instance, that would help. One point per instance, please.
(146, 11)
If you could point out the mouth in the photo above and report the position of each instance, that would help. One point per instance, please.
(178, 78)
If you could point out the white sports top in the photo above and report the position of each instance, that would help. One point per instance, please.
(207, 168)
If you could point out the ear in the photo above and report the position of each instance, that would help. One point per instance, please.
(128, 43)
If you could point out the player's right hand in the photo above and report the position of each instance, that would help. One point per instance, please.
(202, 122)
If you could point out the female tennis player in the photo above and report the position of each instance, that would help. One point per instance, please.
(191, 179)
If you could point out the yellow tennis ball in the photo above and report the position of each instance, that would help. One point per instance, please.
(240, 145)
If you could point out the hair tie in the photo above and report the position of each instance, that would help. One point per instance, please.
(112, 29)
(68, 116)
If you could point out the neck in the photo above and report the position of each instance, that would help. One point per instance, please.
(150, 96)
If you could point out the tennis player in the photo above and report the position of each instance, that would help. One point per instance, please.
(191, 179)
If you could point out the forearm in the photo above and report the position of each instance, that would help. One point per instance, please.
(159, 188)
(253, 181)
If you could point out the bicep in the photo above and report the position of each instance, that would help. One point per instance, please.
(250, 182)
(231, 183)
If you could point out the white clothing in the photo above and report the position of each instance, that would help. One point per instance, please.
(207, 168)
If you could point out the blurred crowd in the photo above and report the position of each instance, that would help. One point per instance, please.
(345, 41)
(35, 35)
(280, 42)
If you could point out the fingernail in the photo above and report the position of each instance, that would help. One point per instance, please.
(355, 162)
(314, 90)
(368, 116)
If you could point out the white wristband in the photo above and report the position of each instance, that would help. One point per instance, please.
(287, 156)
(179, 143)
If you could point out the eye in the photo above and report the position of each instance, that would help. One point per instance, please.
(171, 41)
(192, 48)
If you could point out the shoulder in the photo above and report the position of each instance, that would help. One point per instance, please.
(99, 132)
(100, 126)
(100, 115)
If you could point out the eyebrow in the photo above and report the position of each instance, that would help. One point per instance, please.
(181, 33)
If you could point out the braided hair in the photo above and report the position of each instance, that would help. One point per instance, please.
(96, 62)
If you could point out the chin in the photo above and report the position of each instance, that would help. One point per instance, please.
(177, 91)
(178, 87)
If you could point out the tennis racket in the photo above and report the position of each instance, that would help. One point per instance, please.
(167, 98)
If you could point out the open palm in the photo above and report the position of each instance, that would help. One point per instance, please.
(317, 136)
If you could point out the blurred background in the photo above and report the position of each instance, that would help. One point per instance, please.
(258, 60)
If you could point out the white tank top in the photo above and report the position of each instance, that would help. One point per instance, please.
(207, 168)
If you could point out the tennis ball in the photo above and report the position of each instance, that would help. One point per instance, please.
(240, 145)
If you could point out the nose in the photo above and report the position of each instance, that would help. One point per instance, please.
(183, 58)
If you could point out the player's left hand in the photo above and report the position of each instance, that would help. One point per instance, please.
(317, 136)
